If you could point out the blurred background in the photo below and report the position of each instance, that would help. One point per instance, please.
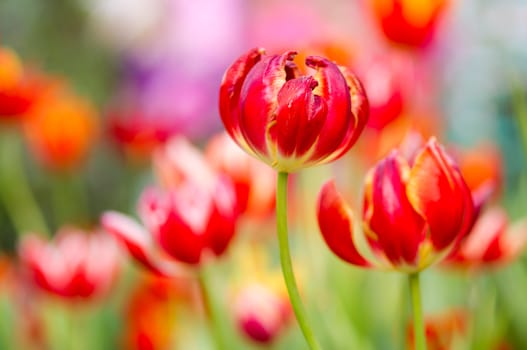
(91, 89)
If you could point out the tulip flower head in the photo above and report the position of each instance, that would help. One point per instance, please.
(289, 120)
(182, 225)
(261, 312)
(414, 212)
(75, 265)
(491, 241)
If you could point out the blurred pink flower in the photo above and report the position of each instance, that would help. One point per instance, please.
(173, 79)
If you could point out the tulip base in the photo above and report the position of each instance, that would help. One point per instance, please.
(415, 295)
(285, 261)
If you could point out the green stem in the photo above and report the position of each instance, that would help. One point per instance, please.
(520, 111)
(419, 327)
(285, 260)
(15, 192)
(211, 308)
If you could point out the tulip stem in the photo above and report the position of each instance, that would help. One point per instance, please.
(15, 192)
(285, 260)
(520, 111)
(211, 308)
(419, 328)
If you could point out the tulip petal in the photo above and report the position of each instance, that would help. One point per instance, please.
(138, 242)
(178, 160)
(300, 116)
(482, 243)
(333, 89)
(438, 192)
(186, 212)
(221, 225)
(335, 220)
(230, 89)
(259, 102)
(359, 110)
(397, 227)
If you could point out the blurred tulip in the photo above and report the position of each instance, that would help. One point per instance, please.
(287, 120)
(408, 22)
(136, 134)
(481, 167)
(151, 313)
(61, 129)
(76, 265)
(384, 87)
(255, 183)
(491, 241)
(178, 161)
(17, 89)
(414, 211)
(261, 312)
(442, 330)
(189, 223)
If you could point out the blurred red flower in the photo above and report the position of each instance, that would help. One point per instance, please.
(137, 135)
(151, 313)
(408, 22)
(18, 88)
(192, 217)
(491, 241)
(75, 265)
(441, 330)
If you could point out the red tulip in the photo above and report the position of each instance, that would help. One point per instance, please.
(261, 313)
(491, 241)
(254, 182)
(289, 120)
(413, 213)
(408, 22)
(185, 224)
(74, 265)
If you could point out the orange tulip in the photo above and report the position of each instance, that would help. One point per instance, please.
(61, 129)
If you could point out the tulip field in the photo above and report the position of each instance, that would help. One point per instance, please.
(250, 174)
